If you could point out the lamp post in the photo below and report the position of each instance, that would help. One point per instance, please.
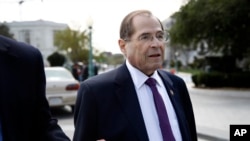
(90, 64)
(176, 61)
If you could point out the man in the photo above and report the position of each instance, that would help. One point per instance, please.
(24, 110)
(85, 72)
(121, 106)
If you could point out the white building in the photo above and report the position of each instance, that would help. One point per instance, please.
(39, 34)
(177, 53)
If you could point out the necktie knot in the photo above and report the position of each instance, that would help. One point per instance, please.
(151, 82)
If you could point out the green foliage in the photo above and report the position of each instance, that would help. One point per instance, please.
(56, 59)
(115, 59)
(5, 31)
(222, 24)
(174, 63)
(75, 43)
(101, 58)
(215, 63)
(219, 79)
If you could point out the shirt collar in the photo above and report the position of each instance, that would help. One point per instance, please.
(139, 77)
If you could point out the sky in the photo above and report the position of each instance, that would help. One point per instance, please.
(106, 15)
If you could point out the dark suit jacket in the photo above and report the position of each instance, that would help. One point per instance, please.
(24, 110)
(107, 107)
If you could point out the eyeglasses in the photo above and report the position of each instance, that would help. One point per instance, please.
(147, 37)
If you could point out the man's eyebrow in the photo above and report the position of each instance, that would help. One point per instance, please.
(160, 32)
(145, 33)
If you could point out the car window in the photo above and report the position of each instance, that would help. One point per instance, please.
(58, 74)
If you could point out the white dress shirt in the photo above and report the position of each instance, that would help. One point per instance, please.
(147, 105)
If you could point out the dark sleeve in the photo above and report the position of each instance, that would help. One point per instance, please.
(188, 109)
(52, 131)
(85, 115)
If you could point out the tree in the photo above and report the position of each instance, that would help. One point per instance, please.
(5, 31)
(74, 43)
(56, 59)
(223, 25)
(116, 59)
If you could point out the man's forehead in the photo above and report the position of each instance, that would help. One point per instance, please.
(146, 24)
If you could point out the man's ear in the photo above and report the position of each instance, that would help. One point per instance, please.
(122, 45)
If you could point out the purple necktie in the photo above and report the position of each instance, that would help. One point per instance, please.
(161, 111)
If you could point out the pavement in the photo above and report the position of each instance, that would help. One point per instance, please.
(216, 109)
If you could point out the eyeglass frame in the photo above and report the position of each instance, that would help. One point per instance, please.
(146, 37)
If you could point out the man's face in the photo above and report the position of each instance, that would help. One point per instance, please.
(145, 49)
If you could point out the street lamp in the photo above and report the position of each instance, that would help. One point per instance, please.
(90, 64)
(176, 61)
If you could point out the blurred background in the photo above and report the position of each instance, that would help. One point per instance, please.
(209, 46)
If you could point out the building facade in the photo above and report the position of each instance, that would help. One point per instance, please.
(39, 34)
(177, 53)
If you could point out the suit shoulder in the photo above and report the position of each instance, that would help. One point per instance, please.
(16, 48)
(103, 77)
(173, 77)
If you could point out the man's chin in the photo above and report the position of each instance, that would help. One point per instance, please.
(157, 66)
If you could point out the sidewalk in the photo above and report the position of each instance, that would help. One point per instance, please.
(216, 109)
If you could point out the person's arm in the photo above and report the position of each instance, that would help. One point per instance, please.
(85, 115)
(48, 125)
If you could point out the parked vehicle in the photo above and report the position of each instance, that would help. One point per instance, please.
(61, 87)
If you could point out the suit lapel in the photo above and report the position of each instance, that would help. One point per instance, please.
(128, 98)
(168, 83)
(176, 102)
